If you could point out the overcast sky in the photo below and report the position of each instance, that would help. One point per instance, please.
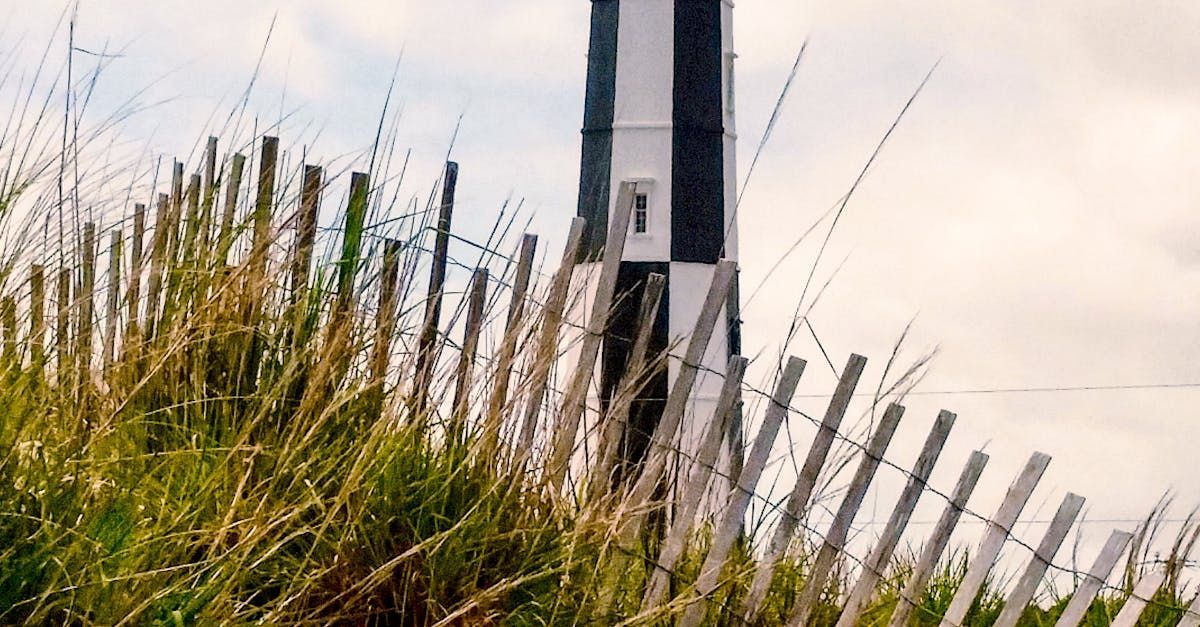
(1036, 211)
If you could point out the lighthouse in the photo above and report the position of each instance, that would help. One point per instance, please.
(659, 114)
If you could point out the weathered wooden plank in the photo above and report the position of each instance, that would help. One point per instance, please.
(112, 313)
(1023, 592)
(939, 539)
(306, 232)
(85, 302)
(1191, 616)
(426, 341)
(802, 491)
(835, 539)
(385, 321)
(877, 562)
(208, 200)
(134, 294)
(661, 441)
(730, 524)
(693, 494)
(62, 331)
(476, 300)
(547, 346)
(1087, 589)
(1137, 602)
(635, 374)
(158, 264)
(998, 530)
(575, 399)
(37, 315)
(498, 399)
(8, 320)
(226, 234)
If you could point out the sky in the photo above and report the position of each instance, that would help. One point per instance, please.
(1034, 215)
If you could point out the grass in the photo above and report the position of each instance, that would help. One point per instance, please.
(236, 461)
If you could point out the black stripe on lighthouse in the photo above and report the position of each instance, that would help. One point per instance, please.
(698, 156)
(647, 407)
(595, 178)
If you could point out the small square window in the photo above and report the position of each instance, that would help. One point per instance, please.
(641, 211)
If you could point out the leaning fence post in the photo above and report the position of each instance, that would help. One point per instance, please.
(508, 347)
(1023, 593)
(730, 525)
(385, 322)
(575, 399)
(114, 297)
(547, 345)
(672, 415)
(437, 282)
(835, 539)
(998, 530)
(135, 272)
(697, 484)
(805, 483)
(476, 300)
(615, 423)
(881, 555)
(63, 328)
(1136, 603)
(37, 315)
(1087, 589)
(85, 302)
(8, 319)
(939, 539)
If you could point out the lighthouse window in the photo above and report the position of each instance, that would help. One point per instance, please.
(641, 210)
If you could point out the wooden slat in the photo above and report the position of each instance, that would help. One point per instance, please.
(306, 232)
(229, 213)
(62, 330)
(661, 442)
(1087, 589)
(697, 485)
(498, 399)
(8, 320)
(1023, 592)
(426, 341)
(476, 299)
(263, 206)
(998, 530)
(158, 263)
(547, 345)
(37, 315)
(208, 199)
(939, 539)
(112, 313)
(802, 491)
(635, 375)
(385, 321)
(730, 525)
(1191, 616)
(1142, 593)
(85, 302)
(575, 399)
(134, 294)
(835, 540)
(881, 556)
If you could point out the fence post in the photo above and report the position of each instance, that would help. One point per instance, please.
(426, 348)
(341, 324)
(208, 199)
(997, 532)
(697, 484)
(37, 315)
(158, 262)
(615, 423)
(62, 330)
(938, 539)
(835, 539)
(225, 237)
(306, 232)
(261, 242)
(547, 345)
(885, 547)
(114, 297)
(805, 483)
(660, 442)
(476, 300)
(575, 400)
(508, 347)
(1023, 593)
(85, 303)
(385, 322)
(135, 274)
(730, 525)
(1136, 603)
(1087, 589)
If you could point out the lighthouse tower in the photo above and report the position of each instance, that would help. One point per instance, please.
(659, 113)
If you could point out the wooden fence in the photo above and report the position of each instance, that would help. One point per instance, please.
(192, 253)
